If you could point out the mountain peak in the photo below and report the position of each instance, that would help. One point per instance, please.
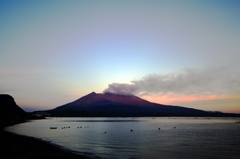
(8, 106)
(113, 104)
(94, 99)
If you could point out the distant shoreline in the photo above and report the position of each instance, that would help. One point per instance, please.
(18, 146)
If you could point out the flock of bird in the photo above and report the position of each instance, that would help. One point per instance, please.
(79, 127)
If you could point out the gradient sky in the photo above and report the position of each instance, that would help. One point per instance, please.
(170, 52)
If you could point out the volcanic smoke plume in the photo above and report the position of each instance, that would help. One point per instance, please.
(121, 88)
(215, 80)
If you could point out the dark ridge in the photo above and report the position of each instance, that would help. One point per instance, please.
(118, 105)
(8, 107)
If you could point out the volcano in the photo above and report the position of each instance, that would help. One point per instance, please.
(119, 105)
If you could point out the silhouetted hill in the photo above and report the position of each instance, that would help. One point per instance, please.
(8, 107)
(94, 99)
(113, 105)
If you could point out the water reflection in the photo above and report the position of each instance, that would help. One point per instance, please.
(104, 121)
(191, 138)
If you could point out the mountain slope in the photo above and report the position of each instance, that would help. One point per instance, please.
(110, 104)
(105, 99)
(8, 107)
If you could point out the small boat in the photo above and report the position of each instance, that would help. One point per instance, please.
(237, 121)
(53, 127)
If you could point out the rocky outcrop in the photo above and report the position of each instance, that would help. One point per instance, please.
(8, 107)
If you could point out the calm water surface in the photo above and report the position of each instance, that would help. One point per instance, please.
(112, 138)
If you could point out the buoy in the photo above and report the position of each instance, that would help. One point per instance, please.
(131, 130)
(158, 128)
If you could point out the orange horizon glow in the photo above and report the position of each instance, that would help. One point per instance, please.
(168, 99)
(223, 103)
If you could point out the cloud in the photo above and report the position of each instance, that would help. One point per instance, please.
(198, 82)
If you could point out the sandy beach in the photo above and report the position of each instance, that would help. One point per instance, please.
(13, 146)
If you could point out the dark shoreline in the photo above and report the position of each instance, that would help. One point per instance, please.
(14, 146)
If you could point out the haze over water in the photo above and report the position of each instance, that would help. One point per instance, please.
(112, 138)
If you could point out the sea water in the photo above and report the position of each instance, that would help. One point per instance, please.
(140, 138)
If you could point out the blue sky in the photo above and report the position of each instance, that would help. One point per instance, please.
(172, 52)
